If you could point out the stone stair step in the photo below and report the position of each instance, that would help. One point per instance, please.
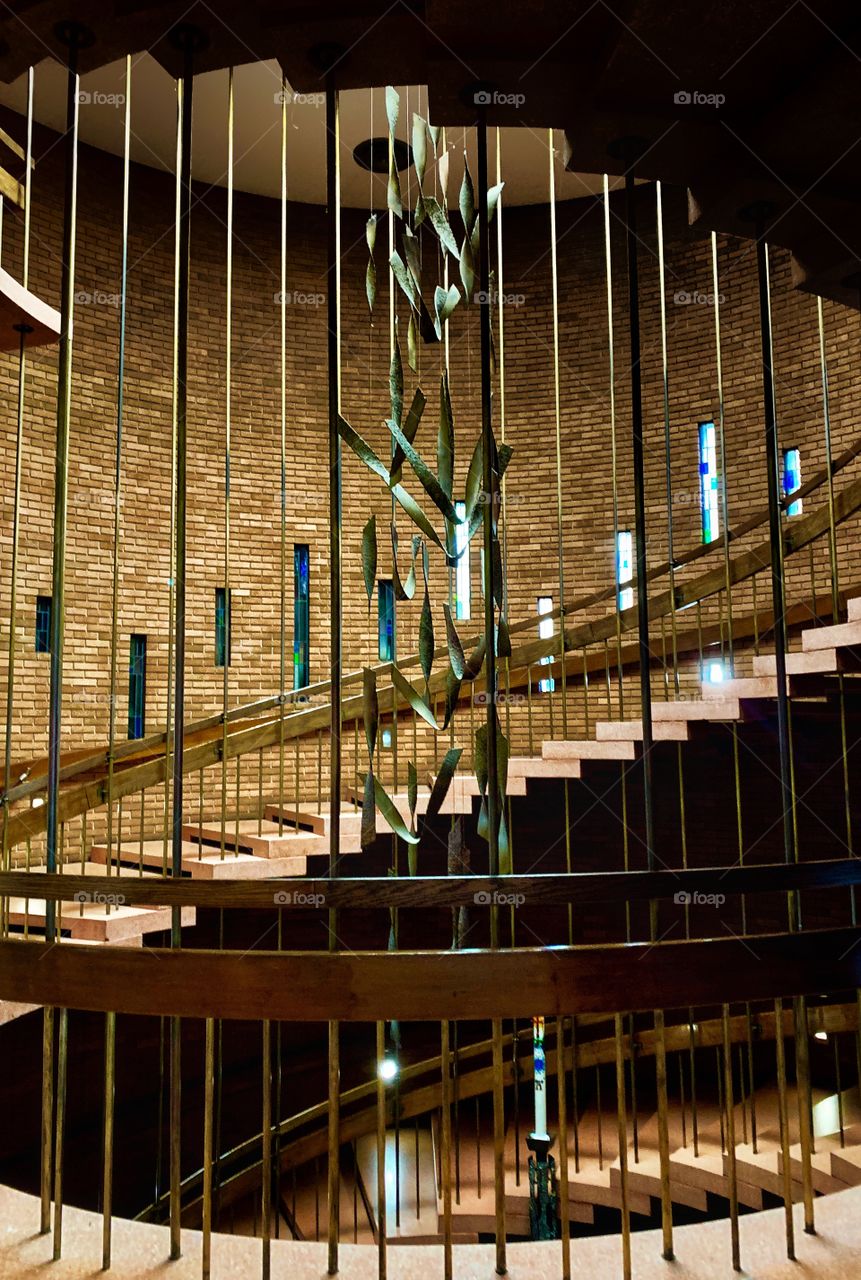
(586, 749)
(853, 609)
(261, 838)
(199, 861)
(846, 1165)
(315, 823)
(94, 921)
(632, 731)
(842, 635)
(698, 709)
(741, 687)
(810, 662)
(538, 767)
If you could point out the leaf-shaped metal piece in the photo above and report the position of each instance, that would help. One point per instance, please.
(438, 220)
(369, 811)
(412, 355)
(503, 639)
(393, 106)
(441, 785)
(396, 383)
(411, 426)
(467, 269)
(370, 709)
(426, 638)
(405, 280)
(393, 194)
(456, 655)
(442, 169)
(444, 302)
(369, 557)
(362, 449)
(492, 200)
(390, 813)
(428, 480)
(371, 283)
(445, 439)
(412, 791)
(416, 514)
(371, 232)
(466, 199)
(403, 590)
(414, 699)
(434, 130)
(412, 253)
(420, 147)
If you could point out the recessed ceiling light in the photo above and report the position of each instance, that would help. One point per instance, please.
(373, 154)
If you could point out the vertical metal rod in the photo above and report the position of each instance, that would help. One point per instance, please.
(724, 478)
(560, 551)
(75, 35)
(266, 1173)
(16, 507)
(622, 1116)
(381, 1155)
(611, 356)
(108, 1136)
(445, 1145)
(805, 1125)
(333, 314)
(730, 1138)
(208, 1094)
(640, 523)
(228, 361)
(564, 1208)
(185, 90)
(490, 515)
(282, 607)
(47, 1157)
(772, 463)
(60, 1129)
(668, 453)
(783, 1113)
(118, 459)
(663, 1135)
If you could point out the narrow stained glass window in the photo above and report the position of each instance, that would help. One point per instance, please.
(792, 479)
(709, 482)
(386, 619)
(461, 573)
(301, 614)
(624, 567)
(43, 624)
(137, 687)
(545, 631)
(223, 609)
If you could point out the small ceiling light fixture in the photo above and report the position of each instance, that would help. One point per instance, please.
(388, 1068)
(820, 1035)
(373, 154)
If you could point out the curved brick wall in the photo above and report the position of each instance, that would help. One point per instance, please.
(255, 516)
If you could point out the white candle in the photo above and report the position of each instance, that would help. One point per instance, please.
(540, 1070)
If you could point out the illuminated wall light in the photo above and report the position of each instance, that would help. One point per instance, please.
(820, 1035)
(716, 672)
(388, 1069)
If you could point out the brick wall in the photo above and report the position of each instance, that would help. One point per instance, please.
(255, 512)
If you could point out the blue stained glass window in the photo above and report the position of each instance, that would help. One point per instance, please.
(137, 687)
(386, 619)
(545, 631)
(223, 610)
(625, 567)
(792, 479)
(709, 482)
(43, 624)
(301, 614)
(462, 583)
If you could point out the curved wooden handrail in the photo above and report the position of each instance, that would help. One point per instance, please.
(582, 888)
(146, 765)
(408, 986)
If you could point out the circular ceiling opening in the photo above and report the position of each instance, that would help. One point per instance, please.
(373, 154)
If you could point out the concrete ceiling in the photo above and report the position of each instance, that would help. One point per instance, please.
(257, 89)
